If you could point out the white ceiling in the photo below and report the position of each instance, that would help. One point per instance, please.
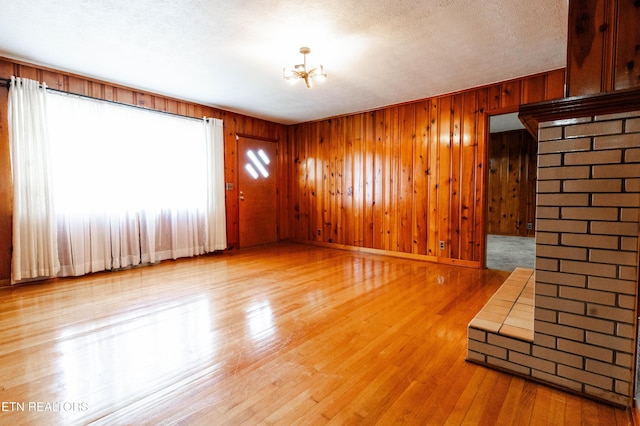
(230, 53)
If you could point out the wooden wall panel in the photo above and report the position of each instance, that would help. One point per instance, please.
(627, 65)
(408, 176)
(603, 40)
(233, 124)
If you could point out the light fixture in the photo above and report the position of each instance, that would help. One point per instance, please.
(300, 71)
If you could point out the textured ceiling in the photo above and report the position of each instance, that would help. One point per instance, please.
(230, 54)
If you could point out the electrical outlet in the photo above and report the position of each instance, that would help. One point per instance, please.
(441, 245)
(319, 232)
(529, 226)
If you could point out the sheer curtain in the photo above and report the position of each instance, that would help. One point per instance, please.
(35, 251)
(131, 185)
(217, 226)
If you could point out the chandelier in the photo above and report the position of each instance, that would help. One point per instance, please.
(299, 72)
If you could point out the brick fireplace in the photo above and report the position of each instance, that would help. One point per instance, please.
(586, 274)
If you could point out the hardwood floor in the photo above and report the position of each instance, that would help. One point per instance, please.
(286, 334)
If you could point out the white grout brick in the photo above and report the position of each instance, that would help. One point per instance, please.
(585, 350)
(548, 186)
(613, 285)
(475, 334)
(627, 272)
(628, 244)
(532, 362)
(592, 185)
(616, 171)
(509, 343)
(586, 268)
(574, 280)
(611, 313)
(632, 155)
(544, 340)
(612, 342)
(557, 252)
(559, 331)
(593, 157)
(574, 172)
(548, 212)
(550, 225)
(545, 314)
(632, 125)
(509, 366)
(553, 147)
(550, 133)
(586, 323)
(626, 302)
(593, 129)
(616, 141)
(563, 199)
(550, 160)
(547, 237)
(614, 257)
(632, 185)
(606, 369)
(487, 349)
(588, 240)
(558, 356)
(561, 305)
(582, 376)
(546, 264)
(590, 213)
(630, 214)
(620, 200)
(625, 331)
(628, 229)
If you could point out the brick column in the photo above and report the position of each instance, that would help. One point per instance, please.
(588, 211)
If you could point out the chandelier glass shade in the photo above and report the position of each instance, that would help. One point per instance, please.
(300, 71)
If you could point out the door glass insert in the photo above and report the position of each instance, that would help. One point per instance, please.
(258, 163)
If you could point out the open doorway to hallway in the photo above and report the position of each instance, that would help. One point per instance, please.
(511, 189)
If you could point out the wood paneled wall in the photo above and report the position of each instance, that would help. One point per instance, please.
(603, 40)
(511, 186)
(406, 177)
(233, 124)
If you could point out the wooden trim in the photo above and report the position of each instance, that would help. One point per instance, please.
(532, 115)
(259, 138)
(397, 254)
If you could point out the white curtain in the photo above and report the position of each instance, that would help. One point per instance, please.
(217, 225)
(131, 185)
(35, 251)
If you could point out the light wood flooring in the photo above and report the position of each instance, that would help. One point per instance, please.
(286, 334)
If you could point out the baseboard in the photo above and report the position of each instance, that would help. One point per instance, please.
(402, 255)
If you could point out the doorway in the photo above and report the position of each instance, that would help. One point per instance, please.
(511, 194)
(257, 192)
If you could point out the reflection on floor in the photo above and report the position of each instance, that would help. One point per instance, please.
(506, 253)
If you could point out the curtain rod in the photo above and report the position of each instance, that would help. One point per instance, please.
(7, 82)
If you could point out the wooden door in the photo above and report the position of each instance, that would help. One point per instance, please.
(257, 192)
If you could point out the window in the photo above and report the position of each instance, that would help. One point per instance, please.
(127, 185)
